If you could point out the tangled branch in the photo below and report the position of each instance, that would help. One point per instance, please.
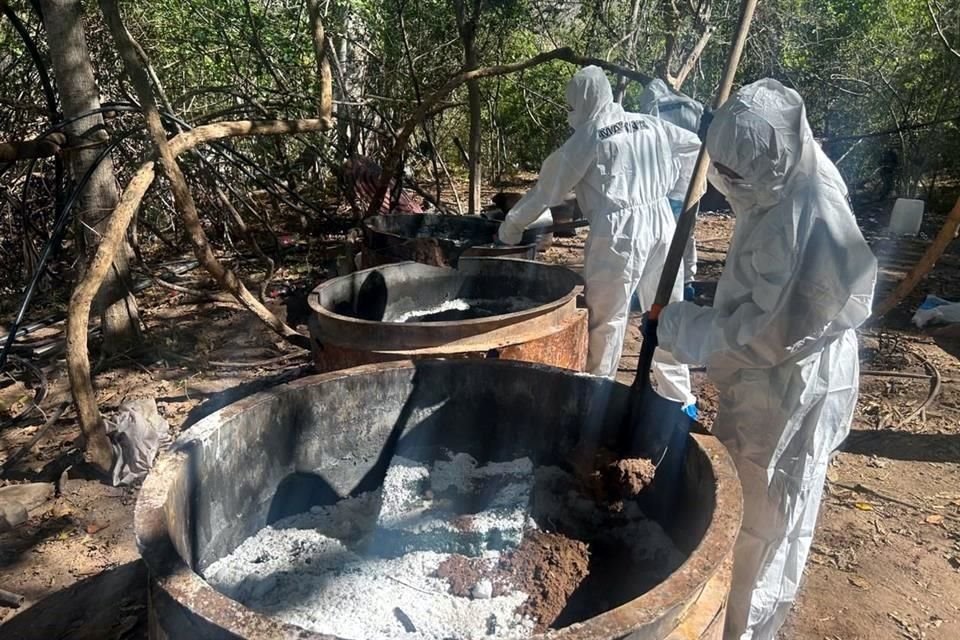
(565, 54)
(98, 449)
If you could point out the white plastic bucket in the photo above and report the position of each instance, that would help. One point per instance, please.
(906, 217)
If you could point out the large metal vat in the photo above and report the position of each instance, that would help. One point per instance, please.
(351, 316)
(388, 237)
(218, 484)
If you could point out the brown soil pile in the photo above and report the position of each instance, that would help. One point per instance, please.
(462, 573)
(610, 480)
(628, 477)
(548, 567)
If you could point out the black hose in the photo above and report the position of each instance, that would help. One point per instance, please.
(46, 85)
(48, 93)
(24, 200)
(53, 243)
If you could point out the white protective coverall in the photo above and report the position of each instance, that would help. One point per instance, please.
(659, 100)
(622, 167)
(780, 341)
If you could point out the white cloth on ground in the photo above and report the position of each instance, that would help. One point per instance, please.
(135, 432)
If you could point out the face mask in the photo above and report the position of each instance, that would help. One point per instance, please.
(741, 193)
(724, 184)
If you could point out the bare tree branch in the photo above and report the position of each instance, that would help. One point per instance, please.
(418, 94)
(324, 76)
(99, 452)
(692, 58)
(98, 449)
(943, 36)
(78, 360)
(565, 54)
(183, 199)
(40, 148)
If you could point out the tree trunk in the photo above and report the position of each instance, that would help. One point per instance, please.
(671, 25)
(468, 31)
(63, 21)
(473, 91)
(700, 16)
(630, 55)
(691, 62)
(324, 77)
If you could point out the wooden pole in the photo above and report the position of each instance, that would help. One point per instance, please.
(699, 181)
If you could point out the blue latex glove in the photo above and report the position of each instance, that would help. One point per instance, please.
(677, 207)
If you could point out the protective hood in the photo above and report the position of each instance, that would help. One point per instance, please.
(798, 272)
(588, 93)
(653, 94)
(657, 99)
(762, 134)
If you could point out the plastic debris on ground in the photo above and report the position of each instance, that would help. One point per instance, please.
(136, 432)
(936, 310)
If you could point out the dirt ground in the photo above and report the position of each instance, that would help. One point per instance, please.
(886, 555)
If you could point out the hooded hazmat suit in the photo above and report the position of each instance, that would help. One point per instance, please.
(780, 341)
(659, 100)
(623, 167)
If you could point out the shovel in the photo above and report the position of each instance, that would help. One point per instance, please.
(681, 236)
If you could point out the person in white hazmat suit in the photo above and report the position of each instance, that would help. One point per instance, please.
(623, 167)
(659, 100)
(780, 341)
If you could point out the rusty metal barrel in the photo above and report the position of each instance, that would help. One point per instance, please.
(487, 307)
(388, 236)
(217, 485)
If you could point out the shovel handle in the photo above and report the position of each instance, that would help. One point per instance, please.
(688, 218)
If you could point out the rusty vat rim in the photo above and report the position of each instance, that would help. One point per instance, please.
(668, 600)
(377, 335)
(488, 250)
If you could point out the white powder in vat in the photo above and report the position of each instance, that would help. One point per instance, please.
(459, 304)
(500, 306)
(311, 570)
(342, 594)
(453, 506)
